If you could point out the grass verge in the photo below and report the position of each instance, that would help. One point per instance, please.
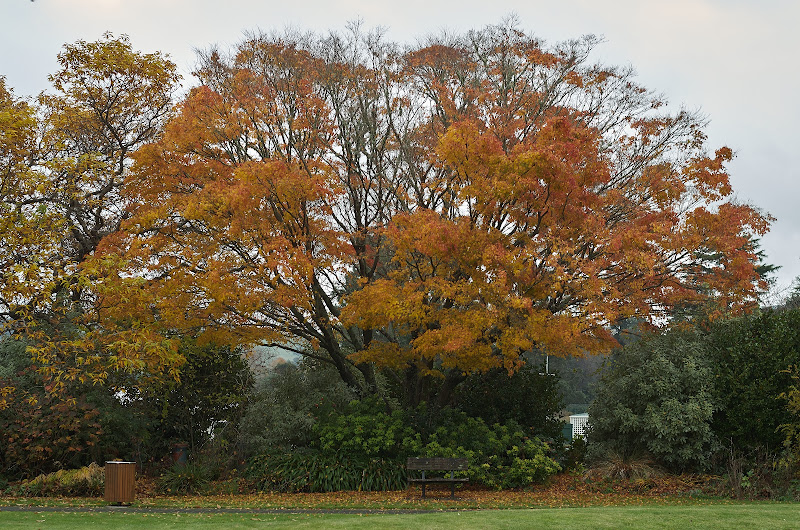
(745, 516)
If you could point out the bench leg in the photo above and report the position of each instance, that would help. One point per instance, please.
(452, 490)
(423, 490)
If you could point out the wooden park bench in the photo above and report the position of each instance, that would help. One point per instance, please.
(437, 464)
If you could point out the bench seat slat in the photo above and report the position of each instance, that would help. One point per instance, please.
(437, 464)
(439, 479)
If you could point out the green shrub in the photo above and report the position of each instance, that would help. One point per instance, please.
(366, 428)
(317, 472)
(655, 397)
(286, 406)
(500, 456)
(516, 467)
(575, 453)
(210, 393)
(530, 464)
(187, 479)
(791, 429)
(752, 356)
(528, 398)
(363, 446)
(87, 481)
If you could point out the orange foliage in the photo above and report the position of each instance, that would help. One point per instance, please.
(436, 212)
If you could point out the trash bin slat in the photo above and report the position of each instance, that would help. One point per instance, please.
(120, 482)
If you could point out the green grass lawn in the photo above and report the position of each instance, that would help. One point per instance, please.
(751, 516)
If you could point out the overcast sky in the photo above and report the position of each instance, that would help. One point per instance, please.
(735, 60)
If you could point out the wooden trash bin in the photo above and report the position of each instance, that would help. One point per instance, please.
(120, 482)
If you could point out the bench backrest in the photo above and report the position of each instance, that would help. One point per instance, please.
(437, 464)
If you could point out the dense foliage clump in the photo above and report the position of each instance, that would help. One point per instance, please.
(656, 398)
(721, 397)
(88, 481)
(287, 405)
(752, 357)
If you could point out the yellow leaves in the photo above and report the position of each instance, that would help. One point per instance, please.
(383, 303)
(17, 130)
(88, 66)
(467, 151)
(385, 354)
(109, 100)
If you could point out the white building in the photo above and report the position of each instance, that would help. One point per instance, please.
(579, 423)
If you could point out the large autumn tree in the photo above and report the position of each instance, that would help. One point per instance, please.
(430, 211)
(63, 160)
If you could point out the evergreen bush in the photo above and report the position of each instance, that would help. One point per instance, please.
(656, 398)
(286, 406)
(185, 479)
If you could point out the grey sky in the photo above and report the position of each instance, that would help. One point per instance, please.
(735, 60)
